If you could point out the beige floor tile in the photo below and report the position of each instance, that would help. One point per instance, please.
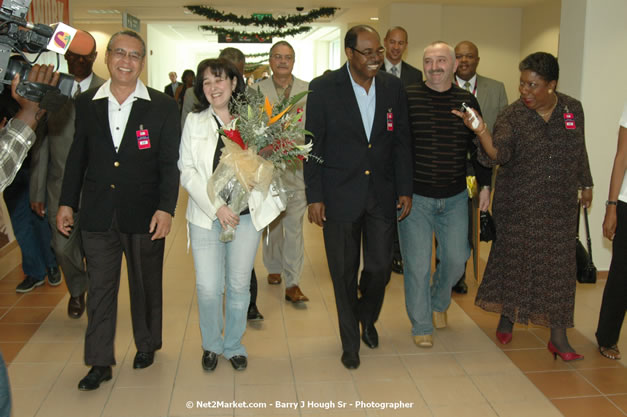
(266, 371)
(159, 374)
(562, 384)
(464, 410)
(533, 360)
(485, 363)
(539, 408)
(190, 373)
(320, 369)
(607, 380)
(509, 387)
(433, 365)
(404, 344)
(46, 352)
(273, 400)
(27, 401)
(320, 394)
(56, 333)
(138, 401)
(309, 328)
(72, 373)
(258, 346)
(446, 390)
(202, 400)
(72, 402)
(22, 375)
(381, 368)
(465, 341)
(301, 347)
(620, 401)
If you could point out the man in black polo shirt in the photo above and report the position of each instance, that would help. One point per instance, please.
(440, 199)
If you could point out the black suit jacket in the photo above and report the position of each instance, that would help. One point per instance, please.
(132, 182)
(409, 74)
(169, 90)
(349, 162)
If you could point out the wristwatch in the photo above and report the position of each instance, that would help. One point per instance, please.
(611, 203)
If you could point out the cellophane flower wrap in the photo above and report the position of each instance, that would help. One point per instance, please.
(260, 145)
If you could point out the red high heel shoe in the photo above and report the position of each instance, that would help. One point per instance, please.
(504, 338)
(566, 357)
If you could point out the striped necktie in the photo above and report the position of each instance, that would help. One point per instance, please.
(394, 71)
(467, 86)
(77, 92)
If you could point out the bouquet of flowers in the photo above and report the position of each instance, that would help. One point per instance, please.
(260, 145)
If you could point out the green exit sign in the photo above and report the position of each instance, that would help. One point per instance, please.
(260, 16)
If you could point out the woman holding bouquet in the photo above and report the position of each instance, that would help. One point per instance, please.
(218, 264)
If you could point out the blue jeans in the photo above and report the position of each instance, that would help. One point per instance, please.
(31, 231)
(218, 264)
(448, 219)
(5, 389)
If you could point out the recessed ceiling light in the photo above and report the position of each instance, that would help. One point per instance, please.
(103, 11)
(374, 18)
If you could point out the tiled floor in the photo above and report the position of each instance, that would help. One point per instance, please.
(294, 357)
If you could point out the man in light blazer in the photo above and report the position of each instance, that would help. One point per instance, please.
(492, 99)
(47, 168)
(122, 167)
(358, 119)
(283, 244)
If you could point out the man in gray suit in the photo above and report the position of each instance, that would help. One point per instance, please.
(48, 165)
(283, 254)
(492, 99)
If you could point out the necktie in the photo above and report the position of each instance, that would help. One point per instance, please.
(77, 92)
(467, 86)
(394, 71)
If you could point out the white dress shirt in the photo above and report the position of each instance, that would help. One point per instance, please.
(119, 113)
(472, 82)
(388, 67)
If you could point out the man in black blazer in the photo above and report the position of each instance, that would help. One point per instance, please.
(123, 158)
(395, 43)
(358, 120)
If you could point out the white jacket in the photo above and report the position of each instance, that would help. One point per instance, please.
(198, 146)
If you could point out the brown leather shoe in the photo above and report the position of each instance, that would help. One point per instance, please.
(295, 295)
(274, 279)
(76, 306)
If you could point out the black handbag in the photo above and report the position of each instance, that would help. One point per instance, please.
(586, 271)
(487, 230)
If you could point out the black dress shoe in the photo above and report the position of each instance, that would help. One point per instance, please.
(350, 360)
(209, 360)
(76, 306)
(239, 362)
(370, 336)
(461, 287)
(143, 360)
(96, 375)
(253, 313)
(397, 266)
(54, 276)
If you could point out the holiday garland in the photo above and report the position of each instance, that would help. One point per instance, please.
(280, 24)
(265, 54)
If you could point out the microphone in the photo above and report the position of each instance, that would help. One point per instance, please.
(67, 38)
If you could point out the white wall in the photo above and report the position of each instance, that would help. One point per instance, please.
(540, 28)
(592, 69)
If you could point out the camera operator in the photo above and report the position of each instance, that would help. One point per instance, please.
(18, 135)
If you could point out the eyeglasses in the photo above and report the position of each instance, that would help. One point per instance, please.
(371, 54)
(279, 57)
(120, 53)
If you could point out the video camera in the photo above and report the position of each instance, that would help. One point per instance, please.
(18, 35)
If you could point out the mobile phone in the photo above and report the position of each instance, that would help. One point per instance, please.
(473, 116)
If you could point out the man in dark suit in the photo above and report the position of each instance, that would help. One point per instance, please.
(358, 120)
(47, 168)
(492, 99)
(123, 158)
(395, 43)
(170, 89)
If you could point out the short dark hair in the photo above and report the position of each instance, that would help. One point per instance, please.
(186, 73)
(130, 33)
(350, 40)
(543, 64)
(279, 43)
(232, 54)
(402, 29)
(218, 67)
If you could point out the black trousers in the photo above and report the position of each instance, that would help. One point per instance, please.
(342, 243)
(144, 259)
(615, 293)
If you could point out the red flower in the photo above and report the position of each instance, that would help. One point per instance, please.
(302, 158)
(235, 136)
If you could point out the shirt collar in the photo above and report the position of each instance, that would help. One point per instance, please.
(388, 65)
(355, 85)
(105, 91)
(472, 81)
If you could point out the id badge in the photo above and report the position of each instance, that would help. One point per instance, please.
(143, 139)
(390, 121)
